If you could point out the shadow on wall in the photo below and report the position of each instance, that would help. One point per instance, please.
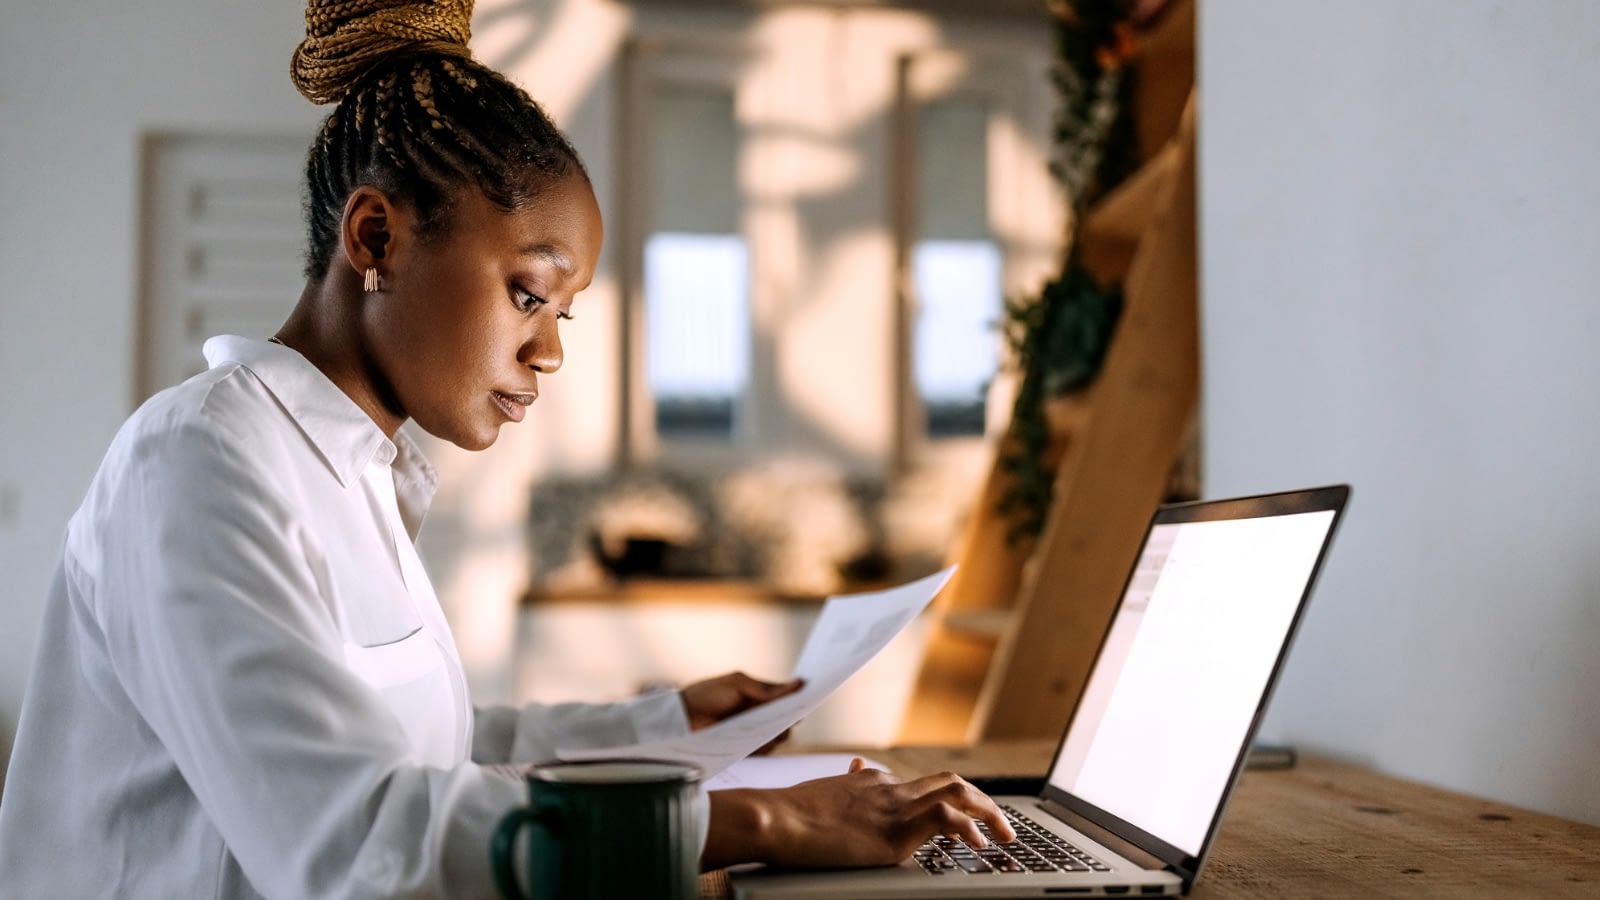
(798, 526)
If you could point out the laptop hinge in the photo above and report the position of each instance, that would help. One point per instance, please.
(1127, 849)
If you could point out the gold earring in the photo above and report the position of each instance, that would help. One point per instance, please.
(369, 281)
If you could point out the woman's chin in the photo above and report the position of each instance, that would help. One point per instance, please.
(467, 437)
(477, 440)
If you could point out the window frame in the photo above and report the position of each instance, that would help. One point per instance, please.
(648, 64)
(1012, 84)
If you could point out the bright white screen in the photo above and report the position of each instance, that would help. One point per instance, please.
(1185, 664)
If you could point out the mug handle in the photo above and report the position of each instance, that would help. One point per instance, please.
(502, 848)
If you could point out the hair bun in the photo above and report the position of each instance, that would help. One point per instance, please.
(345, 38)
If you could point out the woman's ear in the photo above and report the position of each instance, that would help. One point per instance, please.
(367, 232)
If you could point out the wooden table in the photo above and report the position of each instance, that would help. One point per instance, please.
(1329, 829)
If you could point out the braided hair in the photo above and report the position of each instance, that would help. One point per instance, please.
(417, 117)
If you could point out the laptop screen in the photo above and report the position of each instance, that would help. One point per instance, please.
(1184, 668)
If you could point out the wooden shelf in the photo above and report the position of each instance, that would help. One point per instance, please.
(980, 623)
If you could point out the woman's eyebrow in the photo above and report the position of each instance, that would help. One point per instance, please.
(550, 255)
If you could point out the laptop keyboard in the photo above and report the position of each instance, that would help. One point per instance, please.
(1036, 849)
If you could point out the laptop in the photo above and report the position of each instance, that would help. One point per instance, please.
(1139, 781)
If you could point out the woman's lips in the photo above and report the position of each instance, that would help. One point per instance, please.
(515, 406)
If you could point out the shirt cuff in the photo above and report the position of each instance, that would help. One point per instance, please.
(658, 716)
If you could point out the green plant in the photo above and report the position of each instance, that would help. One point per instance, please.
(1058, 337)
(1058, 340)
(1094, 140)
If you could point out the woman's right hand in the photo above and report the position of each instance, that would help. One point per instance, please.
(864, 818)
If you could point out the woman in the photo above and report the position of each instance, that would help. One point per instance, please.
(245, 686)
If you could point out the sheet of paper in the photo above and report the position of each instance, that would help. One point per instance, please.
(849, 632)
(783, 770)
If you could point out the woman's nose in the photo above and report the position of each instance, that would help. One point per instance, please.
(542, 351)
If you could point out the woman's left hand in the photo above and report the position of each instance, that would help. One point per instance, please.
(709, 702)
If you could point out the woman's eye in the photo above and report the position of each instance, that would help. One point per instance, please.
(526, 300)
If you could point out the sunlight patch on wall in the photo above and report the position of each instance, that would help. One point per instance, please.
(796, 165)
(1030, 228)
(557, 49)
(813, 83)
(838, 392)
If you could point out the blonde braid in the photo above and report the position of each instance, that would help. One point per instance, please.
(422, 92)
(381, 130)
(345, 38)
(461, 78)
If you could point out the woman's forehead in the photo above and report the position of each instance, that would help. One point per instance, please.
(560, 226)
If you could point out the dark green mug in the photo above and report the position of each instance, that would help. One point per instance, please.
(619, 829)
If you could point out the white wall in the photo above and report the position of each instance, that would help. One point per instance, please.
(1400, 220)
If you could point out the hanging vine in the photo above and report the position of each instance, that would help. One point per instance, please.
(1058, 338)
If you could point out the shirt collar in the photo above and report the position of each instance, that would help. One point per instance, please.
(342, 433)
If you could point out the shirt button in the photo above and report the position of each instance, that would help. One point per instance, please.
(380, 868)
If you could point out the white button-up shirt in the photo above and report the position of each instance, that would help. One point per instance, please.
(244, 685)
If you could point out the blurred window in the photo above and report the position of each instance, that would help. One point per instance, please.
(955, 267)
(953, 341)
(698, 340)
(696, 266)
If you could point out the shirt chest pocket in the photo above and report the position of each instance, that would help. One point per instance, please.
(396, 663)
(388, 648)
(385, 644)
(379, 616)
